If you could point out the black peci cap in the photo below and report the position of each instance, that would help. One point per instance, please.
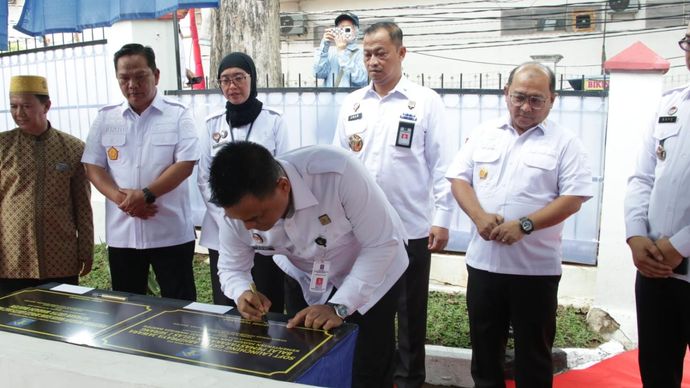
(347, 15)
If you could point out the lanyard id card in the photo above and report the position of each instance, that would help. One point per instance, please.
(405, 133)
(319, 276)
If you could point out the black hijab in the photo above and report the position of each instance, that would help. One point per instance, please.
(246, 112)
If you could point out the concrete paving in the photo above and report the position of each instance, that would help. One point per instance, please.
(450, 367)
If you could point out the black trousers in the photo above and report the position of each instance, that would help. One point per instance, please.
(494, 301)
(410, 370)
(129, 270)
(8, 286)
(663, 324)
(267, 276)
(375, 347)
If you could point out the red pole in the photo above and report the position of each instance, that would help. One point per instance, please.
(198, 68)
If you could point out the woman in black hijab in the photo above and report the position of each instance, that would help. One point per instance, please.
(244, 118)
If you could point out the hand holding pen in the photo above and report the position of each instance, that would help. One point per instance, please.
(253, 305)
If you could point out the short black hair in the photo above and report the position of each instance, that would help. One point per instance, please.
(393, 29)
(546, 69)
(242, 168)
(42, 98)
(136, 49)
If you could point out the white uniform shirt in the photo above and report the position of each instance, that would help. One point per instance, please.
(135, 150)
(514, 176)
(268, 129)
(411, 176)
(657, 202)
(334, 199)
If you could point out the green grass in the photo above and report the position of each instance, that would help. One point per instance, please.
(447, 322)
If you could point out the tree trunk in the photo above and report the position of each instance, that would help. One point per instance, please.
(251, 27)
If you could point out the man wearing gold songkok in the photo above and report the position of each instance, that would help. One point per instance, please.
(46, 223)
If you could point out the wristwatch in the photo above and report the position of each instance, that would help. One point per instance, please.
(340, 309)
(526, 225)
(149, 197)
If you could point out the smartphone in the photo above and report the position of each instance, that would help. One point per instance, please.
(342, 31)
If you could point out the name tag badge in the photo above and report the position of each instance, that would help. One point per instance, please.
(405, 133)
(263, 248)
(667, 119)
(356, 116)
(319, 276)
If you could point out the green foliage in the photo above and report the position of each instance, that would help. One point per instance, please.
(99, 277)
(202, 278)
(572, 330)
(447, 322)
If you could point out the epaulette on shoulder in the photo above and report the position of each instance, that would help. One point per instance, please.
(325, 161)
(674, 90)
(173, 101)
(216, 113)
(110, 106)
(273, 110)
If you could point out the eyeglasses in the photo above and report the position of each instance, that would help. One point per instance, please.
(684, 43)
(237, 80)
(535, 102)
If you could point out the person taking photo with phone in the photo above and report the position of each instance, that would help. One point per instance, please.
(338, 60)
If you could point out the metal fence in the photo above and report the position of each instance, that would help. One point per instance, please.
(81, 80)
(311, 114)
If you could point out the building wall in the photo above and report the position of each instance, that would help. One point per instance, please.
(471, 37)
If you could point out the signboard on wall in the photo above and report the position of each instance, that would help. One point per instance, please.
(596, 84)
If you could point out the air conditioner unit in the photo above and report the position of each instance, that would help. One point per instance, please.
(624, 5)
(292, 24)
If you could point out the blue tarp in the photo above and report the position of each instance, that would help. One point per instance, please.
(40, 17)
(334, 369)
(3, 25)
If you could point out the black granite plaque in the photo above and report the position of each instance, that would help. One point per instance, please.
(266, 349)
(161, 328)
(67, 317)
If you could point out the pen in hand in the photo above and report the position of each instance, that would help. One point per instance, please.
(252, 288)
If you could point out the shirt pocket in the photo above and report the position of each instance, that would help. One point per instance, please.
(114, 145)
(539, 174)
(163, 148)
(57, 186)
(486, 166)
(540, 160)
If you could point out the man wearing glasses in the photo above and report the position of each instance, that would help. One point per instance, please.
(518, 178)
(138, 154)
(657, 221)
